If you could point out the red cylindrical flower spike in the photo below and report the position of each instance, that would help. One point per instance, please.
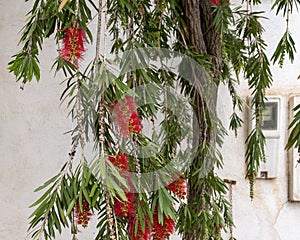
(178, 187)
(141, 234)
(82, 215)
(73, 45)
(126, 117)
(163, 230)
(216, 2)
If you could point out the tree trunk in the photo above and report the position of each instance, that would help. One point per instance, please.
(202, 36)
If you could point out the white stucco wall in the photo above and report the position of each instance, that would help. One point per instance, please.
(33, 146)
(270, 216)
(32, 143)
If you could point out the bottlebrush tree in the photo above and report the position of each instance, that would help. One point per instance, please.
(146, 186)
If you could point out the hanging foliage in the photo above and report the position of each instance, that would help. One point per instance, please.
(140, 185)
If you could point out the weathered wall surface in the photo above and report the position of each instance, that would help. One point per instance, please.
(270, 216)
(33, 146)
(32, 124)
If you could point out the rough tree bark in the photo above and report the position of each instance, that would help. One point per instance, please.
(202, 36)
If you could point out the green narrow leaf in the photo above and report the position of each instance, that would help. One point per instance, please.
(36, 70)
(95, 186)
(61, 212)
(86, 195)
(70, 207)
(46, 194)
(56, 221)
(47, 183)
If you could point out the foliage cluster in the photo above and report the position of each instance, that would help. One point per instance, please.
(137, 31)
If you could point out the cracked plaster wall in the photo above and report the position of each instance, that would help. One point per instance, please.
(33, 146)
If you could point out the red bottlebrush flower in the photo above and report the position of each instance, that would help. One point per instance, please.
(163, 230)
(125, 107)
(218, 228)
(135, 123)
(120, 161)
(83, 216)
(218, 2)
(178, 187)
(215, 2)
(73, 45)
(141, 234)
(126, 117)
(126, 208)
(129, 104)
